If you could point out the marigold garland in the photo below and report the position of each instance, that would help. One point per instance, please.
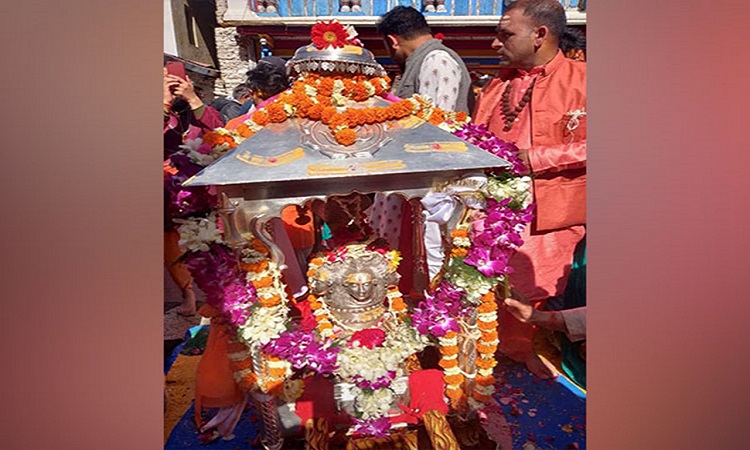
(486, 345)
(347, 136)
(321, 98)
(452, 374)
(271, 293)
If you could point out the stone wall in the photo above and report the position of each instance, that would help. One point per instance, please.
(236, 54)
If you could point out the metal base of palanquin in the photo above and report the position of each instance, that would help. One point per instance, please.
(244, 220)
(271, 437)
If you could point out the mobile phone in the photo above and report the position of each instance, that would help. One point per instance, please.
(177, 69)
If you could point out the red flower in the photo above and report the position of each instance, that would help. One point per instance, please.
(329, 34)
(370, 338)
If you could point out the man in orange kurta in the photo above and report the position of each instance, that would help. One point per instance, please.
(538, 101)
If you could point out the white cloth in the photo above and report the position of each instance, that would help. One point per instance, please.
(433, 245)
(439, 208)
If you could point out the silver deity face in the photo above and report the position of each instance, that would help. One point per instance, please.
(360, 286)
(355, 287)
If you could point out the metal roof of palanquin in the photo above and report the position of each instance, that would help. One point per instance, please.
(299, 157)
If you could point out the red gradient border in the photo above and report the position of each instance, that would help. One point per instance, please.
(81, 226)
(668, 204)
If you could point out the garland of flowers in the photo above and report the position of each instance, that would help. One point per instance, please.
(486, 347)
(244, 287)
(267, 318)
(370, 359)
(322, 98)
(482, 245)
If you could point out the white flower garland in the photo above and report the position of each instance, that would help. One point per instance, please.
(197, 233)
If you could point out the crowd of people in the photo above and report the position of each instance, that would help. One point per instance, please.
(537, 100)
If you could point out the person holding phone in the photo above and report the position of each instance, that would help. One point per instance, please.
(185, 115)
(185, 118)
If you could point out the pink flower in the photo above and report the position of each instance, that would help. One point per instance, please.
(369, 338)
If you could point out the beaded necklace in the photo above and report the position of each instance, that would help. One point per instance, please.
(510, 115)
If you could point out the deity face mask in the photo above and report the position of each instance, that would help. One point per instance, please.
(360, 285)
(354, 286)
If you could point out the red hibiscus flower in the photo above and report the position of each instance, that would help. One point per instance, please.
(370, 338)
(331, 33)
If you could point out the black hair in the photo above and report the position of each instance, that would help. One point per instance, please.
(572, 39)
(549, 13)
(240, 91)
(267, 80)
(403, 21)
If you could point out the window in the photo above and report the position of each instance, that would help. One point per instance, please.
(192, 27)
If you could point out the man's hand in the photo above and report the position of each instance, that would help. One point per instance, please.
(521, 311)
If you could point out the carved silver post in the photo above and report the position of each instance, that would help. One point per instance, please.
(265, 405)
(258, 229)
(228, 214)
(271, 439)
(467, 350)
(420, 274)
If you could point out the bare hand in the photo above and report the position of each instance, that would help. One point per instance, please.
(521, 311)
(168, 85)
(523, 155)
(183, 89)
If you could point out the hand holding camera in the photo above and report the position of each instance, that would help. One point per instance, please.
(177, 85)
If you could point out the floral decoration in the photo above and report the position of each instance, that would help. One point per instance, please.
(483, 242)
(323, 98)
(332, 34)
(370, 359)
(245, 289)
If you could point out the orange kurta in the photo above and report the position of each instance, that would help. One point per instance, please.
(552, 129)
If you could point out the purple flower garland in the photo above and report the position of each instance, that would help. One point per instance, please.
(303, 350)
(372, 427)
(496, 236)
(216, 272)
(483, 138)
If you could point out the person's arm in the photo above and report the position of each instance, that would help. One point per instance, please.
(440, 79)
(557, 158)
(572, 322)
(185, 90)
(209, 119)
(205, 117)
(568, 133)
(575, 323)
(526, 313)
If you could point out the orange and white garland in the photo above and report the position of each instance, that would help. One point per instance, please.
(322, 98)
(486, 344)
(453, 376)
(267, 321)
(486, 348)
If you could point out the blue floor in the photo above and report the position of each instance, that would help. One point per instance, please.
(549, 413)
